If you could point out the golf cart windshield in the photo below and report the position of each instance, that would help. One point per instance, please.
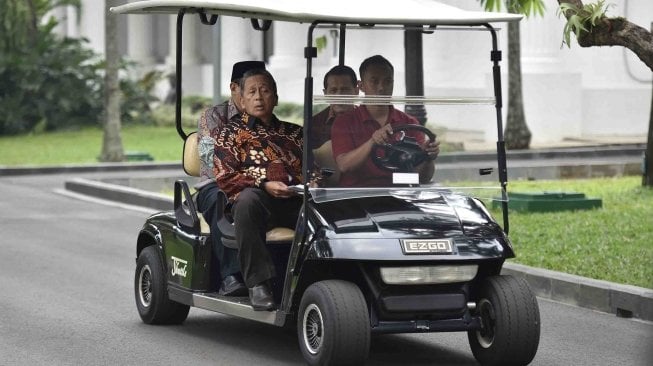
(344, 143)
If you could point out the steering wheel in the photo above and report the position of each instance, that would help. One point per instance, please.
(403, 154)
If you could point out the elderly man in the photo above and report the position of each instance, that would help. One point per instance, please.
(210, 123)
(355, 133)
(256, 160)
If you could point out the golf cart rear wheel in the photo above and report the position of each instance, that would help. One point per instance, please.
(333, 324)
(510, 319)
(152, 300)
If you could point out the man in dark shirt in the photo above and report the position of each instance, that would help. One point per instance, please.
(256, 160)
(210, 123)
(340, 80)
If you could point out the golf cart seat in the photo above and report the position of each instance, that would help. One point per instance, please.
(191, 165)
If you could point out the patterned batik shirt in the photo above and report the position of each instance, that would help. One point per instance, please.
(249, 153)
(209, 125)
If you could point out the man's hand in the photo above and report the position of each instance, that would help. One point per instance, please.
(382, 135)
(432, 149)
(278, 189)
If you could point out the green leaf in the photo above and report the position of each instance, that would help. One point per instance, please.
(321, 42)
(526, 7)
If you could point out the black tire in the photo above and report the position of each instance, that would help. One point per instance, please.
(333, 325)
(151, 294)
(511, 323)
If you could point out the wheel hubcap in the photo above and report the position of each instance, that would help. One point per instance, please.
(485, 336)
(313, 328)
(145, 286)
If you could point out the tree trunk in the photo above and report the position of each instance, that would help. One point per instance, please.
(647, 180)
(517, 134)
(112, 142)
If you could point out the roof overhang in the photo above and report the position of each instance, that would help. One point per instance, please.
(417, 12)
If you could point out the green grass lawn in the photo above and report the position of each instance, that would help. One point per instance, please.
(85, 145)
(613, 243)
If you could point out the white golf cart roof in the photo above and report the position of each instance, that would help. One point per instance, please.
(416, 12)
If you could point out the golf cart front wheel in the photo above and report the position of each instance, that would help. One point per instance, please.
(510, 323)
(333, 324)
(152, 302)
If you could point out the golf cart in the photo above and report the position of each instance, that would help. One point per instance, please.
(406, 257)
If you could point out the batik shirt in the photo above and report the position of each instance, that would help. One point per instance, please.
(209, 125)
(248, 153)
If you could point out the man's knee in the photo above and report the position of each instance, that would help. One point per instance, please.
(207, 198)
(251, 201)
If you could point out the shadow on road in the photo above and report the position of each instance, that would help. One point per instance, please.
(279, 345)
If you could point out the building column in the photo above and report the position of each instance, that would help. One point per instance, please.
(189, 50)
(240, 42)
(140, 46)
(551, 116)
(192, 78)
(92, 24)
(287, 63)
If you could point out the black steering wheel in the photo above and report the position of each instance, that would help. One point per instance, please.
(402, 154)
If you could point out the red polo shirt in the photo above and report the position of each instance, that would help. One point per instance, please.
(351, 130)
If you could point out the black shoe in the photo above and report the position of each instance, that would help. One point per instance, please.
(261, 297)
(232, 286)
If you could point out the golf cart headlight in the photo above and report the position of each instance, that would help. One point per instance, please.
(427, 274)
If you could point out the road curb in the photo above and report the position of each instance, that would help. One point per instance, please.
(119, 193)
(85, 168)
(622, 300)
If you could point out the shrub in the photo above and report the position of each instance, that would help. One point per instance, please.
(49, 83)
(137, 97)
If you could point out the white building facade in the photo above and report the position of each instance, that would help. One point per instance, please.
(569, 93)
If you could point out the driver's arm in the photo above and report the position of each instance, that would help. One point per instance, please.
(427, 168)
(355, 158)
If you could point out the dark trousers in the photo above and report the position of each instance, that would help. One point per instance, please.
(254, 213)
(207, 204)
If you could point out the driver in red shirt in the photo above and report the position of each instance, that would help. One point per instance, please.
(355, 133)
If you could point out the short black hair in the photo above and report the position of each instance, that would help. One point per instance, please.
(255, 72)
(341, 70)
(374, 60)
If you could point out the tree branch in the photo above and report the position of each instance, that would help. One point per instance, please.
(616, 32)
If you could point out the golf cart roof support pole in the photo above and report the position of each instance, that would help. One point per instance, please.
(310, 52)
(495, 57)
(180, 23)
(341, 45)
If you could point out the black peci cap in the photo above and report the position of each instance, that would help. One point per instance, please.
(240, 68)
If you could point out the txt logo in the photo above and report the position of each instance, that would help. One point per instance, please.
(178, 266)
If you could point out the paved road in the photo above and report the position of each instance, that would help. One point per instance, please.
(66, 298)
